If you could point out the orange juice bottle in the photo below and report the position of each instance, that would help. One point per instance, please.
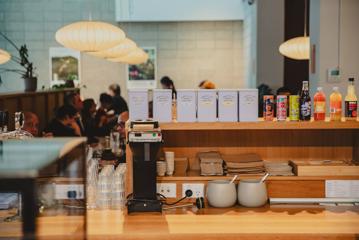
(335, 105)
(319, 105)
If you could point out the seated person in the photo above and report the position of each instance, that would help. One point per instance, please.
(119, 103)
(64, 124)
(31, 123)
(74, 99)
(94, 127)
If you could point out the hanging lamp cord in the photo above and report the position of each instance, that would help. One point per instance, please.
(339, 30)
(305, 17)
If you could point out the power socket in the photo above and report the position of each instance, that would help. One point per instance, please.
(69, 191)
(196, 188)
(167, 189)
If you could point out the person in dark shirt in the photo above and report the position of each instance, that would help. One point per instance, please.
(74, 99)
(94, 127)
(64, 124)
(119, 103)
(167, 83)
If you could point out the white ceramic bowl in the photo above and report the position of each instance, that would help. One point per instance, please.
(252, 193)
(221, 193)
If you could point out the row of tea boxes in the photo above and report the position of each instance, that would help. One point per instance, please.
(204, 105)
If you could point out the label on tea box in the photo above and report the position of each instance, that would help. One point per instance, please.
(228, 100)
(206, 99)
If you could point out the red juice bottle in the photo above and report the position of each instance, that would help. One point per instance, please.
(319, 105)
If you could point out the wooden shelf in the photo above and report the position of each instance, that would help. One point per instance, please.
(260, 125)
(194, 175)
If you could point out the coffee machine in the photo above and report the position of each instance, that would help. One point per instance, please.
(144, 139)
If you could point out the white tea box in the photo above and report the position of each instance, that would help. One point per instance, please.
(248, 105)
(138, 104)
(207, 105)
(186, 105)
(228, 105)
(162, 105)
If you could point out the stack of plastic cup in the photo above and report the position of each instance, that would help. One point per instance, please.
(104, 187)
(91, 186)
(118, 200)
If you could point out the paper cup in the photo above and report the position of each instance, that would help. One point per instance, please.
(170, 161)
(161, 168)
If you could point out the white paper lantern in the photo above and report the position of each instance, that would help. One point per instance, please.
(4, 56)
(120, 50)
(296, 48)
(89, 36)
(136, 56)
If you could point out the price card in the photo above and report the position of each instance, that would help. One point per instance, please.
(342, 188)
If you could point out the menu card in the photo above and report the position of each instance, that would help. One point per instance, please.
(207, 105)
(162, 105)
(138, 104)
(342, 188)
(248, 105)
(228, 105)
(186, 106)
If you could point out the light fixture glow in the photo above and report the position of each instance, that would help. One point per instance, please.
(124, 48)
(296, 48)
(89, 36)
(136, 56)
(4, 56)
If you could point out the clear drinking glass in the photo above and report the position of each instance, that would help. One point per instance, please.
(19, 124)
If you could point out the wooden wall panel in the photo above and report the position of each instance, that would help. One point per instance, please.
(27, 104)
(356, 147)
(60, 99)
(41, 110)
(42, 103)
(51, 103)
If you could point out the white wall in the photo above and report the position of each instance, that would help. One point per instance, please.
(35, 23)
(188, 52)
(324, 35)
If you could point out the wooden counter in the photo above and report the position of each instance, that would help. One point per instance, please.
(269, 222)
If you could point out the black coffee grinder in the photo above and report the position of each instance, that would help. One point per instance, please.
(144, 139)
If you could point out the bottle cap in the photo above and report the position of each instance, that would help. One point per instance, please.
(319, 89)
(351, 79)
(335, 88)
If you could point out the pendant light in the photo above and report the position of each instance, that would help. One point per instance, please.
(4, 56)
(299, 47)
(89, 36)
(120, 50)
(137, 56)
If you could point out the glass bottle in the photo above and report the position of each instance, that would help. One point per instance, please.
(335, 105)
(174, 107)
(305, 102)
(351, 102)
(319, 105)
